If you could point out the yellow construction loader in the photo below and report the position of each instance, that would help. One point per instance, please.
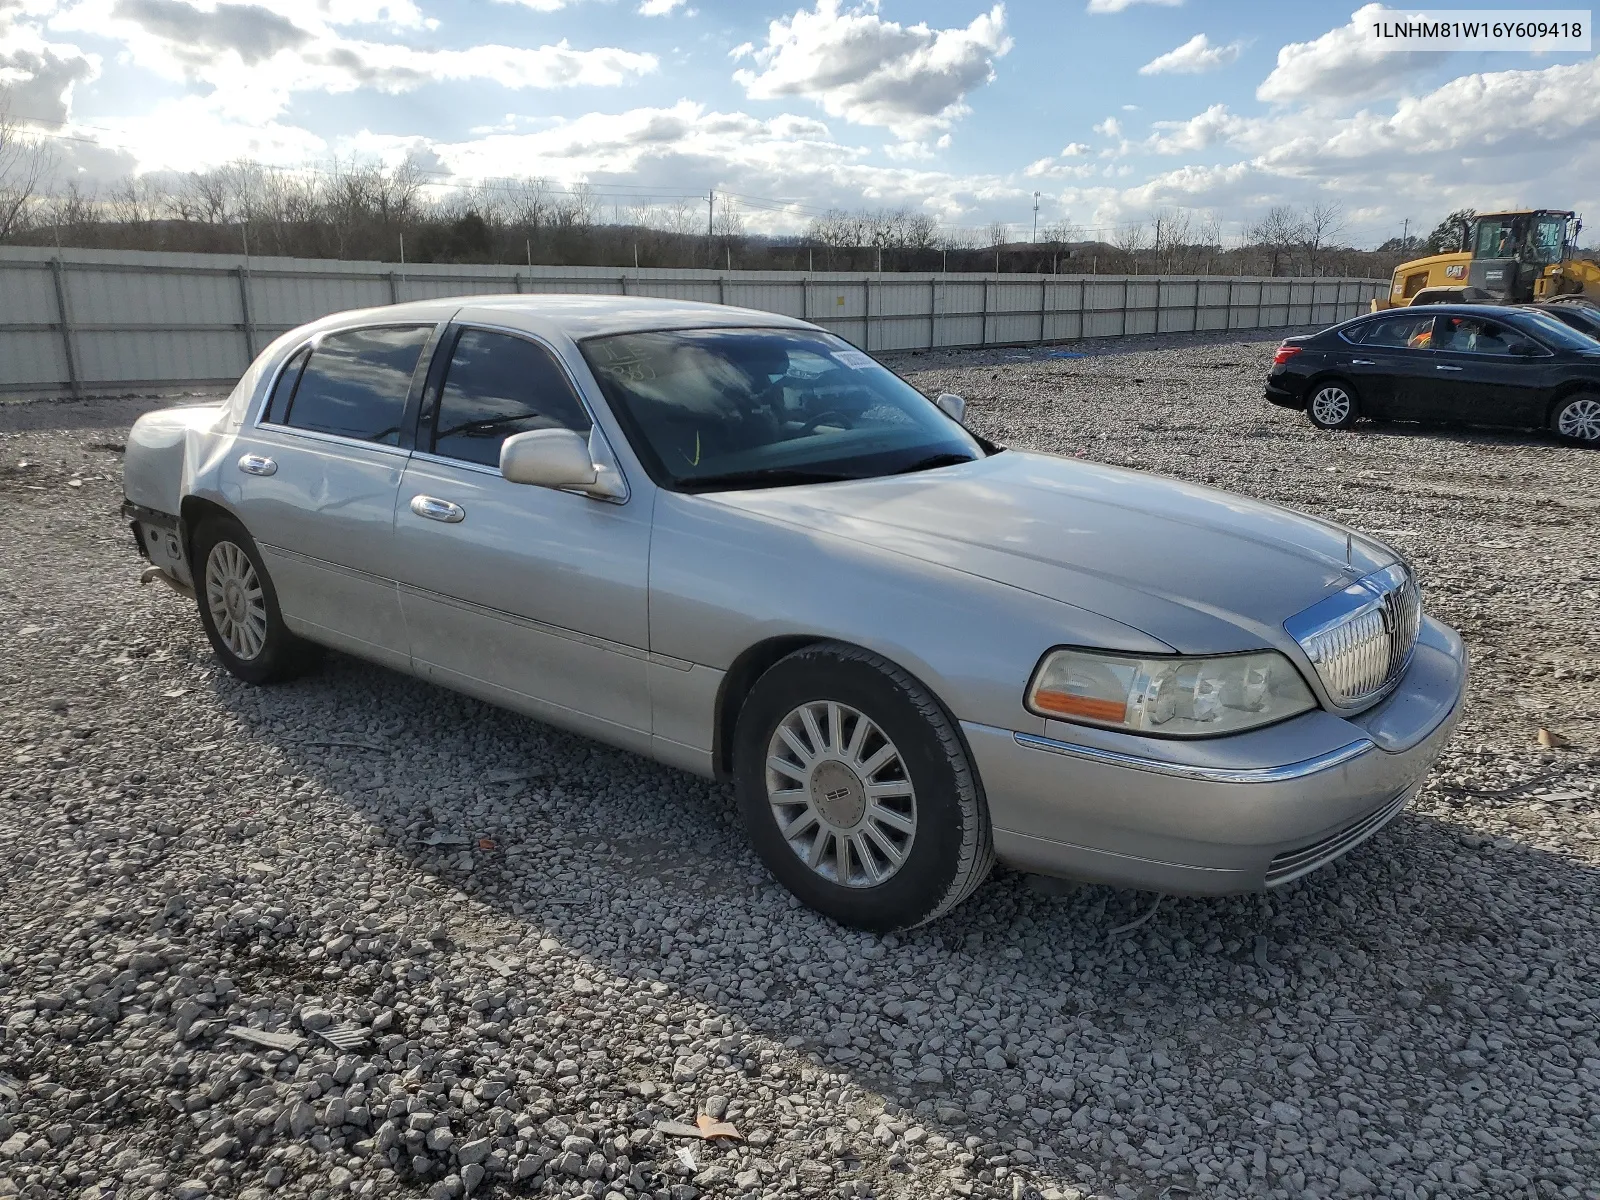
(1510, 258)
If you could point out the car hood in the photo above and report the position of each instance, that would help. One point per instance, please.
(1205, 571)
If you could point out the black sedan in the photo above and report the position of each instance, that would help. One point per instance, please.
(1582, 317)
(1447, 362)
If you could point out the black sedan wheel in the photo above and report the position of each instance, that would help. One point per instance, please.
(1332, 406)
(857, 791)
(1577, 418)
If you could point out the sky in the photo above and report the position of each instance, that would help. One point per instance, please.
(1109, 110)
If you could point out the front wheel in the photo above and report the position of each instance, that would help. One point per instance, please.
(857, 791)
(1577, 418)
(239, 606)
(1332, 406)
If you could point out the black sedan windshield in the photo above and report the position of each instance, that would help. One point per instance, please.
(726, 408)
(1555, 333)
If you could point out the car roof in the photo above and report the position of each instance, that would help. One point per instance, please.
(577, 316)
(1448, 310)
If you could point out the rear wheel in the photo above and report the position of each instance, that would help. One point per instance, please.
(1332, 405)
(239, 606)
(1577, 418)
(857, 791)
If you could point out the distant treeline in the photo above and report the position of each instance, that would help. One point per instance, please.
(362, 211)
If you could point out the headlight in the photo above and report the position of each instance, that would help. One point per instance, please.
(1172, 697)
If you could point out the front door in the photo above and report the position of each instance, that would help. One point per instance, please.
(527, 596)
(314, 480)
(1478, 379)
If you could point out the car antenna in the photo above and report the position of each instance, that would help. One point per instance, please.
(1349, 556)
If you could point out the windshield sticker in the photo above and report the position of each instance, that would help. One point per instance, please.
(853, 359)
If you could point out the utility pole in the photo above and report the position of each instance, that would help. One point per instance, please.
(1035, 236)
(711, 209)
(1405, 234)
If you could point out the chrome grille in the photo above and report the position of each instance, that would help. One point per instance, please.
(1361, 639)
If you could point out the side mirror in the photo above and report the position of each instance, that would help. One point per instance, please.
(953, 406)
(552, 458)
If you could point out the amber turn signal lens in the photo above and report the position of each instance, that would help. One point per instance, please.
(1065, 704)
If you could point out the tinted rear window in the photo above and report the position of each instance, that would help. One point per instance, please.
(357, 381)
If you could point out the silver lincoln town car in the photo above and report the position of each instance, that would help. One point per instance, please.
(734, 543)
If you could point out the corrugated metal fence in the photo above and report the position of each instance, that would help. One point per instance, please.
(101, 320)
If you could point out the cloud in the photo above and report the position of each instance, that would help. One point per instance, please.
(1345, 65)
(855, 65)
(1074, 150)
(660, 8)
(1197, 55)
(1200, 132)
(38, 76)
(1116, 6)
(255, 59)
(250, 31)
(1110, 127)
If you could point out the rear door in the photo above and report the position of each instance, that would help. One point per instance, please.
(1477, 377)
(1389, 363)
(314, 480)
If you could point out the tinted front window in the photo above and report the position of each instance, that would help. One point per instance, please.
(357, 381)
(1473, 335)
(499, 385)
(1412, 331)
(759, 407)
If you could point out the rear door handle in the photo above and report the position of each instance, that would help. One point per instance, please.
(257, 464)
(1442, 367)
(438, 510)
(1362, 362)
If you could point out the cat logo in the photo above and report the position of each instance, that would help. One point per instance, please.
(1456, 271)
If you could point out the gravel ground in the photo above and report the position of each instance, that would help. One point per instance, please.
(544, 947)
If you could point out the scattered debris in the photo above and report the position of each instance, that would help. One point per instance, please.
(263, 1037)
(345, 1037)
(486, 843)
(440, 838)
(1118, 930)
(497, 966)
(705, 1128)
(1552, 740)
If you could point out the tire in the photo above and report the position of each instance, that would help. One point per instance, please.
(243, 622)
(1332, 404)
(937, 822)
(1576, 419)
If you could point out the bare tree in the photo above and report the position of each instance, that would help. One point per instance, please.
(1278, 232)
(26, 164)
(1171, 233)
(1319, 228)
(997, 234)
(1131, 238)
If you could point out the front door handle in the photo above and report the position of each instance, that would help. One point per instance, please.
(438, 510)
(1441, 367)
(1362, 362)
(257, 464)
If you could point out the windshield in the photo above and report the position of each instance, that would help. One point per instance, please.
(709, 408)
(1557, 333)
(1549, 237)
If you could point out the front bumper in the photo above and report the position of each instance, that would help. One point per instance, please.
(1224, 815)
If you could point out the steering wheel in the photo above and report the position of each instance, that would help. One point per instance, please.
(840, 417)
